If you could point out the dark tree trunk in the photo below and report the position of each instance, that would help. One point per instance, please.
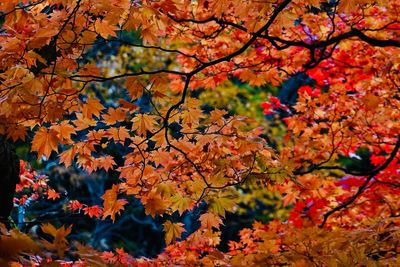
(9, 177)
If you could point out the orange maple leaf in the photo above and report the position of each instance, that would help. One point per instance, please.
(106, 162)
(134, 86)
(154, 204)
(104, 28)
(119, 134)
(92, 107)
(60, 243)
(114, 116)
(67, 156)
(82, 122)
(210, 220)
(112, 205)
(64, 131)
(143, 123)
(52, 194)
(45, 141)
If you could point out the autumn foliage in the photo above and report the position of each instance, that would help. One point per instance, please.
(327, 159)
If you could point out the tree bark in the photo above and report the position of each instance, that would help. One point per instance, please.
(9, 177)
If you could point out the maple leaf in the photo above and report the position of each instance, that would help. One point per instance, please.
(92, 107)
(14, 244)
(120, 257)
(32, 58)
(52, 194)
(209, 220)
(127, 105)
(59, 243)
(45, 141)
(172, 231)
(67, 156)
(289, 198)
(244, 75)
(114, 115)
(82, 122)
(105, 29)
(16, 132)
(348, 6)
(148, 35)
(135, 87)
(314, 3)
(50, 61)
(222, 203)
(86, 161)
(371, 101)
(46, 32)
(154, 204)
(106, 162)
(192, 116)
(119, 134)
(64, 131)
(75, 205)
(112, 205)
(89, 70)
(181, 204)
(143, 123)
(93, 211)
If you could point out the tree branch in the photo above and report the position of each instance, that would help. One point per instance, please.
(364, 185)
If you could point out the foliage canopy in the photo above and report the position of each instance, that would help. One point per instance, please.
(81, 79)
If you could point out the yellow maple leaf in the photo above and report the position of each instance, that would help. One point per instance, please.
(221, 203)
(172, 231)
(181, 204)
(59, 243)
